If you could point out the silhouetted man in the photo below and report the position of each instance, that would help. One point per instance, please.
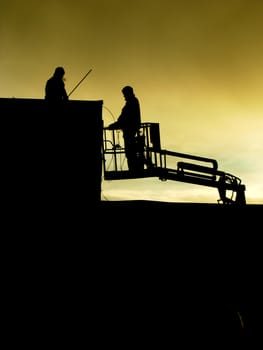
(129, 122)
(55, 87)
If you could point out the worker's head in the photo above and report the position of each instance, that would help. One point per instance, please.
(59, 72)
(127, 92)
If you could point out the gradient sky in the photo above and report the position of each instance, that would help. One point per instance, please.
(196, 67)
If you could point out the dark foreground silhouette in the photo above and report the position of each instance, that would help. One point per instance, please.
(120, 274)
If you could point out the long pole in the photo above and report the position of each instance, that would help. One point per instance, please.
(79, 82)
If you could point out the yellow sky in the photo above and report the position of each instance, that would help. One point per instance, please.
(196, 67)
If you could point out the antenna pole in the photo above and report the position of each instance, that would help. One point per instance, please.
(79, 82)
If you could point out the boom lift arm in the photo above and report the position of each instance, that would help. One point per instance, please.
(168, 165)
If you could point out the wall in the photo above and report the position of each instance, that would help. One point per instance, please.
(51, 154)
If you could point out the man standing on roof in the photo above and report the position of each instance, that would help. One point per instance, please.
(55, 87)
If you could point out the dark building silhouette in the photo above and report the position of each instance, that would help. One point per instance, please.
(142, 272)
(52, 157)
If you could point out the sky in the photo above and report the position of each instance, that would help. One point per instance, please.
(196, 67)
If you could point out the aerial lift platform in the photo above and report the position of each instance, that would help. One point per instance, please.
(167, 165)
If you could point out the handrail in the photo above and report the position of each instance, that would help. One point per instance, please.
(190, 156)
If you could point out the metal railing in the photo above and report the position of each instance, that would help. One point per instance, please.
(167, 165)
